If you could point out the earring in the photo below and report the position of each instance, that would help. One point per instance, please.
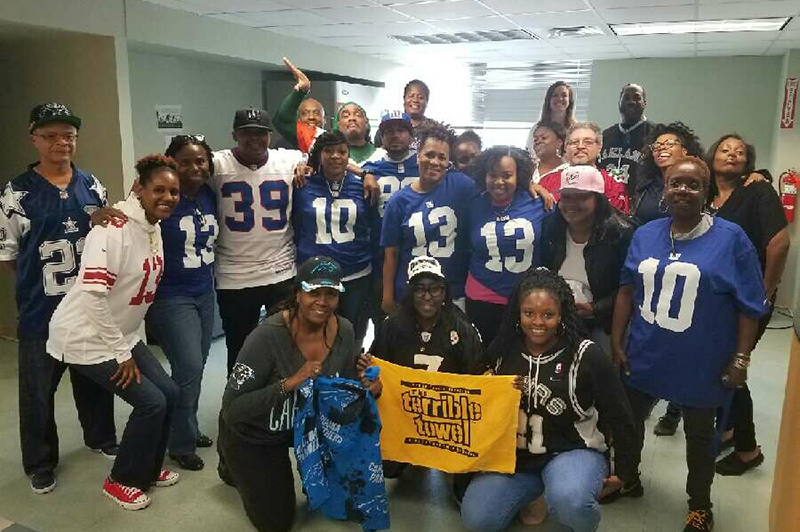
(561, 329)
(516, 327)
(662, 206)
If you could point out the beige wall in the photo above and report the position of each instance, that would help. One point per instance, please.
(89, 87)
(786, 154)
(712, 95)
(208, 91)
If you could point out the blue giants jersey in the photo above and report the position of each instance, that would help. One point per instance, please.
(504, 239)
(686, 308)
(189, 234)
(337, 227)
(434, 224)
(391, 176)
(43, 229)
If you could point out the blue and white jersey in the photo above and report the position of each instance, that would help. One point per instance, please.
(433, 224)
(44, 229)
(504, 240)
(391, 176)
(189, 234)
(686, 308)
(338, 227)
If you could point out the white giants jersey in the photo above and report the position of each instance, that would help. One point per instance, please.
(254, 208)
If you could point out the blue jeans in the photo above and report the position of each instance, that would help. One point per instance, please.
(571, 482)
(144, 442)
(39, 375)
(183, 327)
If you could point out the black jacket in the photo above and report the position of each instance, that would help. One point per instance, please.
(604, 255)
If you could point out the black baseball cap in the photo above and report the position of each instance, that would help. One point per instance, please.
(254, 118)
(320, 272)
(45, 113)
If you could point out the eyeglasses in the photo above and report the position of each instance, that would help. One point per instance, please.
(52, 138)
(434, 290)
(582, 142)
(666, 145)
(190, 138)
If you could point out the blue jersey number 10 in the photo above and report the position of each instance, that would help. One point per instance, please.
(691, 282)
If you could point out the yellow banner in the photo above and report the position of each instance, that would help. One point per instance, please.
(454, 423)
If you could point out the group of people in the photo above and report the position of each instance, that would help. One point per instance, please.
(606, 269)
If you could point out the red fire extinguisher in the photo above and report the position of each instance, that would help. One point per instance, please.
(788, 190)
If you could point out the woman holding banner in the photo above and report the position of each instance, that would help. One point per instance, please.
(567, 384)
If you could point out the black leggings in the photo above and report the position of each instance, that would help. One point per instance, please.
(700, 452)
(263, 475)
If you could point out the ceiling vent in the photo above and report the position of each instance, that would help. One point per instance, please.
(467, 37)
(573, 31)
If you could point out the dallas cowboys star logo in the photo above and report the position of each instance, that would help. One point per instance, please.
(98, 189)
(11, 201)
(70, 225)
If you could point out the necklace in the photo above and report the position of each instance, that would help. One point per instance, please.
(501, 214)
(335, 187)
(627, 130)
(63, 194)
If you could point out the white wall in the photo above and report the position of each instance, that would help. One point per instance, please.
(209, 92)
(786, 154)
(712, 95)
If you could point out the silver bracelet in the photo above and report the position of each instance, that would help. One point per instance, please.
(282, 388)
(741, 361)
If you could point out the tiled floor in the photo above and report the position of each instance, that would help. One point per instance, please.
(420, 502)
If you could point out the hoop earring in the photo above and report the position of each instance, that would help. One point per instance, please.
(662, 206)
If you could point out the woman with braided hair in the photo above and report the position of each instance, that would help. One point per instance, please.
(567, 384)
(331, 217)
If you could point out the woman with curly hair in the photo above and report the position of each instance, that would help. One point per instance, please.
(666, 144)
(94, 329)
(331, 217)
(567, 385)
(182, 315)
(428, 218)
(504, 230)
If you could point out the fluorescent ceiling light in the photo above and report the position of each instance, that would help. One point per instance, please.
(700, 26)
(466, 37)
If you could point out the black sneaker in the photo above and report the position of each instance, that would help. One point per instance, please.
(189, 461)
(699, 521)
(109, 451)
(204, 441)
(733, 466)
(667, 425)
(44, 482)
(633, 491)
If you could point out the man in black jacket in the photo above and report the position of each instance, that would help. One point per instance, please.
(623, 143)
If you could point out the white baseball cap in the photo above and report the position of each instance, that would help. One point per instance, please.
(585, 178)
(424, 264)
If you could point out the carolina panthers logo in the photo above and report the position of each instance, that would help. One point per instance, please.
(240, 374)
(324, 266)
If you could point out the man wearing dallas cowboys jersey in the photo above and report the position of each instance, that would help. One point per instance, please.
(394, 167)
(331, 218)
(505, 228)
(692, 289)
(44, 220)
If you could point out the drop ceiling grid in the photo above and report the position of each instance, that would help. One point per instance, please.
(332, 20)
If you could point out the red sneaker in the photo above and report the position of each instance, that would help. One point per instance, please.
(167, 478)
(128, 497)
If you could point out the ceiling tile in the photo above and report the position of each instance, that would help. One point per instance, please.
(444, 10)
(233, 6)
(738, 36)
(728, 53)
(755, 46)
(539, 6)
(289, 17)
(474, 24)
(585, 42)
(648, 14)
(314, 4)
(360, 14)
(789, 34)
(780, 8)
(552, 20)
(657, 40)
(606, 4)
